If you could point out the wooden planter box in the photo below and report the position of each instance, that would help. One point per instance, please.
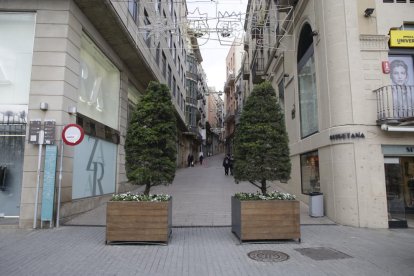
(265, 219)
(131, 221)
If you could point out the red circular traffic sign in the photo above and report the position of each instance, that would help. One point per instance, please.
(72, 134)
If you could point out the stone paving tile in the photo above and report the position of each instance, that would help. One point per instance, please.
(203, 251)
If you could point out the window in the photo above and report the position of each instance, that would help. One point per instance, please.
(171, 6)
(308, 99)
(178, 96)
(174, 54)
(309, 168)
(157, 54)
(178, 66)
(164, 65)
(170, 40)
(281, 88)
(133, 98)
(169, 76)
(98, 94)
(147, 34)
(133, 9)
(16, 54)
(157, 6)
(174, 86)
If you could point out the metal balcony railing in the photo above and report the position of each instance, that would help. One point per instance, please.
(395, 103)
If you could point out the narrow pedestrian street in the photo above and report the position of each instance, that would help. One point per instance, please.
(202, 242)
(201, 197)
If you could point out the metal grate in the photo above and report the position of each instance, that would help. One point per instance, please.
(268, 256)
(322, 253)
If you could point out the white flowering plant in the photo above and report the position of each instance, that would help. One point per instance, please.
(140, 197)
(275, 195)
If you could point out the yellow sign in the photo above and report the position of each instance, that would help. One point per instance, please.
(402, 39)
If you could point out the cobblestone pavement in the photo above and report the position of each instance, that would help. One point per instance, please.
(202, 242)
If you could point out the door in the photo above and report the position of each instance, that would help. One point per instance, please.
(12, 139)
(395, 192)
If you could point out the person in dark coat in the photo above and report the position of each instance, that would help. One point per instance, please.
(226, 164)
(231, 163)
(190, 160)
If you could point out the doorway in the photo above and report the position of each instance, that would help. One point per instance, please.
(399, 181)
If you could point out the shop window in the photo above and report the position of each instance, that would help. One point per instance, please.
(98, 95)
(94, 168)
(308, 99)
(16, 52)
(309, 167)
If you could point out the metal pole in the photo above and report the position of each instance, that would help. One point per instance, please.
(60, 184)
(39, 166)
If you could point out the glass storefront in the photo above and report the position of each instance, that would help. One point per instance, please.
(16, 54)
(399, 181)
(309, 166)
(99, 85)
(94, 168)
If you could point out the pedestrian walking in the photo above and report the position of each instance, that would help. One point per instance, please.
(190, 160)
(231, 163)
(226, 164)
(201, 157)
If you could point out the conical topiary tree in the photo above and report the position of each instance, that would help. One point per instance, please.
(150, 146)
(261, 149)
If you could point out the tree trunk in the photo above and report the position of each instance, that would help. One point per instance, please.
(264, 187)
(147, 189)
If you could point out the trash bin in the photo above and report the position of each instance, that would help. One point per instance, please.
(316, 204)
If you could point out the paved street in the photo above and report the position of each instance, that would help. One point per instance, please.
(202, 243)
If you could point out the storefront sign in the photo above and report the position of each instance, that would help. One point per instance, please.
(348, 135)
(400, 150)
(402, 38)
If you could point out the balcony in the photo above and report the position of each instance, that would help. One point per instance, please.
(191, 101)
(395, 105)
(229, 82)
(258, 70)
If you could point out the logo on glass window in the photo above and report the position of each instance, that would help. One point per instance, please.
(96, 165)
(91, 90)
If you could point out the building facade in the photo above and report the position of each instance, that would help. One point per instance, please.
(63, 64)
(348, 110)
(232, 91)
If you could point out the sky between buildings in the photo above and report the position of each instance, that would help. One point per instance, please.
(212, 49)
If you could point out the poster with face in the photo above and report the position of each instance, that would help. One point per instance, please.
(401, 70)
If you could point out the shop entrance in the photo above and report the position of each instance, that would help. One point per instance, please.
(12, 138)
(399, 181)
